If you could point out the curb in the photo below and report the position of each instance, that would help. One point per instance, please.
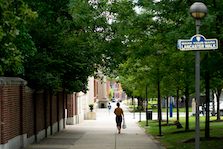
(151, 137)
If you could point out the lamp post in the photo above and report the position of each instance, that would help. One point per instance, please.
(198, 11)
(159, 104)
(147, 106)
(159, 98)
(146, 69)
(140, 103)
(133, 101)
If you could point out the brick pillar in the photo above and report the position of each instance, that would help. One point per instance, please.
(23, 121)
(4, 115)
(23, 108)
(75, 104)
(12, 95)
(71, 109)
(70, 105)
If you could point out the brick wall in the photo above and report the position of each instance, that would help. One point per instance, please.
(29, 113)
(54, 109)
(10, 112)
(22, 110)
(47, 109)
(40, 112)
(71, 105)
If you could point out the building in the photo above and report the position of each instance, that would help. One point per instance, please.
(118, 93)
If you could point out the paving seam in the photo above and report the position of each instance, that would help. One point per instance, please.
(151, 137)
(115, 139)
(72, 145)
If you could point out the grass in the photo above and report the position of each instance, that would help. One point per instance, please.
(154, 108)
(164, 109)
(174, 109)
(175, 138)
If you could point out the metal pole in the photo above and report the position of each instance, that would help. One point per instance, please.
(146, 106)
(177, 104)
(140, 103)
(159, 105)
(0, 112)
(197, 91)
(134, 107)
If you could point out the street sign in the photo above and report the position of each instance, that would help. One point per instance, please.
(197, 42)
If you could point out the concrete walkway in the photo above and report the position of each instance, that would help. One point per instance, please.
(100, 134)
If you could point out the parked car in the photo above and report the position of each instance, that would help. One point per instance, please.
(112, 100)
(211, 108)
(119, 99)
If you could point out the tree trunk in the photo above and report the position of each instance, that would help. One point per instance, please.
(213, 104)
(218, 103)
(167, 120)
(187, 108)
(178, 104)
(207, 86)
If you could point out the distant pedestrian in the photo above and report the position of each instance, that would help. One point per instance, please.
(109, 108)
(203, 109)
(119, 113)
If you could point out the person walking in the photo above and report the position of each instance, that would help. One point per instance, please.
(203, 109)
(109, 108)
(119, 113)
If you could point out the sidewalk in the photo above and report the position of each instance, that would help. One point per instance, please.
(100, 134)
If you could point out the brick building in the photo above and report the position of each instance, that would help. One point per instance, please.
(118, 93)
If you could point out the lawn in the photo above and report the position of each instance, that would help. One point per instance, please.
(174, 109)
(177, 138)
(163, 109)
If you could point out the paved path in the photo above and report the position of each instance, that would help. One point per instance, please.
(100, 134)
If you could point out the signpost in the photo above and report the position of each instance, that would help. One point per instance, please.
(171, 107)
(197, 42)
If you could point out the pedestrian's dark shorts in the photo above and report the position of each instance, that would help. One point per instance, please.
(119, 120)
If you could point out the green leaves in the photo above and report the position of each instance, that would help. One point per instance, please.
(157, 28)
(67, 41)
(14, 16)
(70, 38)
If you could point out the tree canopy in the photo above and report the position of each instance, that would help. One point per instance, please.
(156, 29)
(57, 44)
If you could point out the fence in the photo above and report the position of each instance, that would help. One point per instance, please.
(28, 116)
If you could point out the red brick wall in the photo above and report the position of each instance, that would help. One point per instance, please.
(17, 110)
(70, 101)
(29, 114)
(71, 105)
(10, 112)
(108, 89)
(75, 104)
(23, 119)
(47, 98)
(40, 112)
(54, 109)
(60, 94)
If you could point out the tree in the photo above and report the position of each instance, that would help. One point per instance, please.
(161, 34)
(71, 41)
(111, 93)
(15, 16)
